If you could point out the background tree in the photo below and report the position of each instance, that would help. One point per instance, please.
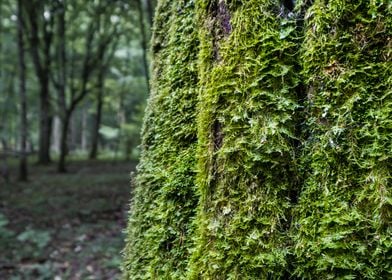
(97, 43)
(22, 93)
(39, 28)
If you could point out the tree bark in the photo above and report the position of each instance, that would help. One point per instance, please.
(84, 136)
(23, 173)
(98, 116)
(45, 125)
(56, 135)
(61, 87)
(63, 143)
(4, 171)
(150, 11)
(42, 68)
(143, 43)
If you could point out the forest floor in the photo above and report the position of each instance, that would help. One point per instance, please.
(65, 226)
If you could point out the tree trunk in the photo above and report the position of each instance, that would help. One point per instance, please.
(266, 146)
(85, 130)
(150, 11)
(344, 214)
(100, 93)
(4, 170)
(23, 173)
(1, 49)
(166, 171)
(63, 143)
(97, 117)
(45, 124)
(56, 143)
(40, 38)
(143, 43)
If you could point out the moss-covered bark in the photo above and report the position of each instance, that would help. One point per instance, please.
(344, 214)
(164, 200)
(246, 140)
(272, 106)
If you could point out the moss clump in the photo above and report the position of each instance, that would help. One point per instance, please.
(344, 213)
(247, 138)
(164, 200)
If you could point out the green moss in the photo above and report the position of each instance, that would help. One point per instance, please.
(262, 112)
(344, 214)
(246, 140)
(163, 203)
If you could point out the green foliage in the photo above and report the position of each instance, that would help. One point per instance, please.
(5, 233)
(109, 132)
(293, 141)
(164, 200)
(344, 214)
(34, 237)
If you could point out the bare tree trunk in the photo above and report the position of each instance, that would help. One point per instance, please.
(45, 126)
(150, 11)
(84, 131)
(143, 43)
(61, 88)
(63, 146)
(4, 171)
(1, 46)
(98, 116)
(42, 64)
(56, 135)
(23, 173)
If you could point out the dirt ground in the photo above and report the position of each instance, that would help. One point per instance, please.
(65, 226)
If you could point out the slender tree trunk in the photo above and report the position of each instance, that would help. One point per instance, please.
(4, 171)
(23, 173)
(98, 114)
(97, 117)
(56, 132)
(40, 35)
(150, 11)
(63, 143)
(84, 131)
(143, 43)
(61, 88)
(45, 125)
(1, 47)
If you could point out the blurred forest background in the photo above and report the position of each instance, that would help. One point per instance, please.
(74, 78)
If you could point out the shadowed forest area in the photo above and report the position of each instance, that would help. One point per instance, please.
(66, 225)
(74, 77)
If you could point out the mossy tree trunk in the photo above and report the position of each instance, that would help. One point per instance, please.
(344, 214)
(247, 137)
(164, 200)
(266, 144)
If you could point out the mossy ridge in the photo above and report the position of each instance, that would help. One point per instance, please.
(344, 214)
(247, 107)
(164, 200)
